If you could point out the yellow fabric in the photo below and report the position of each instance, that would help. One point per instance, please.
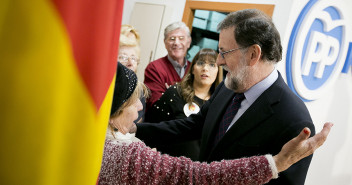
(51, 132)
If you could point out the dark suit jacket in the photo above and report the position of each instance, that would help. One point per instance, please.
(274, 118)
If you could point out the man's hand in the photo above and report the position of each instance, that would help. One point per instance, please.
(133, 129)
(123, 125)
(300, 147)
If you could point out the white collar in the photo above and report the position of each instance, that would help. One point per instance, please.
(120, 137)
(255, 91)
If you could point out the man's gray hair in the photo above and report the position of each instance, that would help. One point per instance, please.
(174, 26)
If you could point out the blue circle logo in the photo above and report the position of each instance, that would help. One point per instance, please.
(317, 49)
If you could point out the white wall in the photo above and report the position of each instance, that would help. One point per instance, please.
(332, 163)
(177, 7)
(174, 12)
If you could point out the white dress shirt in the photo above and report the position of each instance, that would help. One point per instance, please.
(253, 93)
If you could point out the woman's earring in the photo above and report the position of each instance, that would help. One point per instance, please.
(111, 123)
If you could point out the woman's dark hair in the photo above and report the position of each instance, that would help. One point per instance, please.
(185, 87)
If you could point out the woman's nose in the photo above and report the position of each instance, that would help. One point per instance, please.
(130, 61)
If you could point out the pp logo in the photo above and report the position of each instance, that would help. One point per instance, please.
(317, 48)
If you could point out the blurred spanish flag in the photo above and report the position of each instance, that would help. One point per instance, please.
(57, 69)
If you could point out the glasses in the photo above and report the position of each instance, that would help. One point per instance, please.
(173, 39)
(125, 58)
(200, 63)
(229, 51)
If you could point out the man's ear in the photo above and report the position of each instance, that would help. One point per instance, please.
(255, 52)
(165, 43)
(189, 42)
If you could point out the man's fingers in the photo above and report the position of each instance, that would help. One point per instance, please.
(133, 129)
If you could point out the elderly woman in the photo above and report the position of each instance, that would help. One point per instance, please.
(127, 160)
(130, 32)
(129, 49)
(186, 98)
(129, 56)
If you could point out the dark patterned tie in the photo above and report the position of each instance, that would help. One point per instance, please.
(230, 113)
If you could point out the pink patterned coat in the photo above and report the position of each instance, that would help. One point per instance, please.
(135, 163)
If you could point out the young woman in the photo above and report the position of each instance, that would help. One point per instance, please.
(186, 98)
(127, 160)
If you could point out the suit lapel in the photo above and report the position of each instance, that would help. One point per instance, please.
(214, 116)
(259, 111)
(249, 120)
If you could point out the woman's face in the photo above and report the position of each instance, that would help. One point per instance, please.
(128, 57)
(205, 72)
(125, 121)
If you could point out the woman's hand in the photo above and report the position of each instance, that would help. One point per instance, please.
(300, 147)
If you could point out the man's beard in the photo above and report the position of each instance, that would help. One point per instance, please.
(236, 80)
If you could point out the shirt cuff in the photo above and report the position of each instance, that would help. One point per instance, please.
(272, 166)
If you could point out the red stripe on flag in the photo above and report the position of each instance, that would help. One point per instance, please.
(94, 28)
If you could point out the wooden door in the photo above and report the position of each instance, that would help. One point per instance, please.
(147, 19)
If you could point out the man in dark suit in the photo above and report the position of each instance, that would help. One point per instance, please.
(269, 114)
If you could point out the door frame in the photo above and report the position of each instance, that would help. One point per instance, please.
(192, 5)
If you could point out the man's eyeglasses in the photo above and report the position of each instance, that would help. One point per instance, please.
(229, 51)
(125, 58)
(173, 38)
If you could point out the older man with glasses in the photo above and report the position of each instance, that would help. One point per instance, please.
(168, 70)
(253, 112)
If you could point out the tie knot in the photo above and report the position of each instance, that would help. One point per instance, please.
(239, 97)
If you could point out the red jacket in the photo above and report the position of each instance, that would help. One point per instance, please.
(156, 74)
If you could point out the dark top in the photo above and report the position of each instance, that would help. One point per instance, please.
(170, 106)
(274, 118)
(156, 74)
(141, 113)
